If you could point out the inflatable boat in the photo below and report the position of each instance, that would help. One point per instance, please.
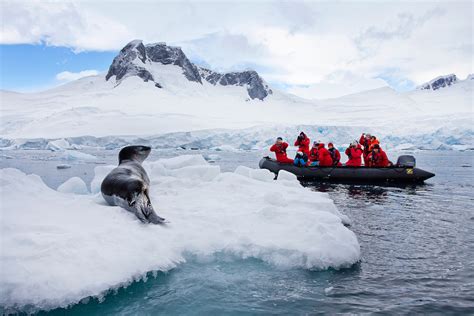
(402, 172)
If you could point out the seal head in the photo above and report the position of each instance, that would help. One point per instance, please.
(135, 153)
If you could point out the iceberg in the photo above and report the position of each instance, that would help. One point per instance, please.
(74, 185)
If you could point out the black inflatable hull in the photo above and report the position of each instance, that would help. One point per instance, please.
(350, 174)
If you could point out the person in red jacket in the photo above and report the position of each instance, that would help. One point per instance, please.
(335, 155)
(354, 153)
(378, 157)
(279, 148)
(373, 141)
(365, 142)
(324, 156)
(303, 143)
(313, 155)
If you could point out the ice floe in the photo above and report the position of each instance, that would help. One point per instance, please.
(60, 248)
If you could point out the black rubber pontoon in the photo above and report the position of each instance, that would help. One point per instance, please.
(396, 174)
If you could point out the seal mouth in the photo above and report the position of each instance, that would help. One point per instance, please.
(145, 150)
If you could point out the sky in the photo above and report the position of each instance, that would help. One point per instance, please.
(314, 49)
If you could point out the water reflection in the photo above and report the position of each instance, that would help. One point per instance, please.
(375, 193)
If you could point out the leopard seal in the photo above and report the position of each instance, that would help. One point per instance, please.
(127, 185)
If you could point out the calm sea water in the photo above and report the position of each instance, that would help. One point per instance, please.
(417, 245)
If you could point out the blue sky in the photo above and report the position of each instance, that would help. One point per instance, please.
(27, 67)
(313, 49)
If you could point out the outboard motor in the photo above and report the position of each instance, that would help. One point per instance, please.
(406, 161)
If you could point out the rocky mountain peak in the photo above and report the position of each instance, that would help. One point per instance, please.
(164, 54)
(135, 59)
(256, 87)
(439, 82)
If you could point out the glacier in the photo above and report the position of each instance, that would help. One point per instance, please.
(256, 138)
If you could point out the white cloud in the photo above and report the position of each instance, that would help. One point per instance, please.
(60, 24)
(66, 76)
(294, 43)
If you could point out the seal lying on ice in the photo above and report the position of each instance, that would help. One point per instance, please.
(127, 185)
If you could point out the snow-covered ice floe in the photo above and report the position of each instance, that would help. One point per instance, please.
(58, 248)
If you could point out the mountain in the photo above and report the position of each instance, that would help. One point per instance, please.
(442, 82)
(137, 59)
(154, 89)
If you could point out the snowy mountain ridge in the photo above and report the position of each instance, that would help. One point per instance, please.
(442, 82)
(137, 59)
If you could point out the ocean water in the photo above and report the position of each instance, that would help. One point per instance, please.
(417, 248)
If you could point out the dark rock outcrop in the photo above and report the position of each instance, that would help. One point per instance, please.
(161, 53)
(123, 64)
(256, 87)
(136, 58)
(439, 82)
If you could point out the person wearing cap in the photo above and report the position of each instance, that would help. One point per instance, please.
(324, 156)
(364, 141)
(335, 155)
(279, 148)
(303, 143)
(313, 154)
(378, 157)
(354, 153)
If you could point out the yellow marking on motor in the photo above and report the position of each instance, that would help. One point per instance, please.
(409, 171)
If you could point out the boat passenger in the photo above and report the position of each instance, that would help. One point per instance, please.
(364, 141)
(279, 148)
(378, 157)
(354, 153)
(324, 156)
(335, 155)
(303, 143)
(373, 141)
(313, 154)
(301, 159)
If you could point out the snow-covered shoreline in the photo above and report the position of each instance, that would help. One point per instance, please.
(60, 247)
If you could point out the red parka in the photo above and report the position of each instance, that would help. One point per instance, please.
(303, 145)
(373, 143)
(365, 142)
(313, 154)
(354, 155)
(336, 156)
(379, 159)
(324, 156)
(280, 152)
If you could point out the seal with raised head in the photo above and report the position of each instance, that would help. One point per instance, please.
(127, 185)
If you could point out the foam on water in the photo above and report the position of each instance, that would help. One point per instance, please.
(60, 248)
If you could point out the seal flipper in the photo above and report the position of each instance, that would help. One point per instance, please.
(155, 219)
(150, 212)
(140, 205)
(135, 206)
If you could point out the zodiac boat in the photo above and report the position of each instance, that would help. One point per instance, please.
(402, 172)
